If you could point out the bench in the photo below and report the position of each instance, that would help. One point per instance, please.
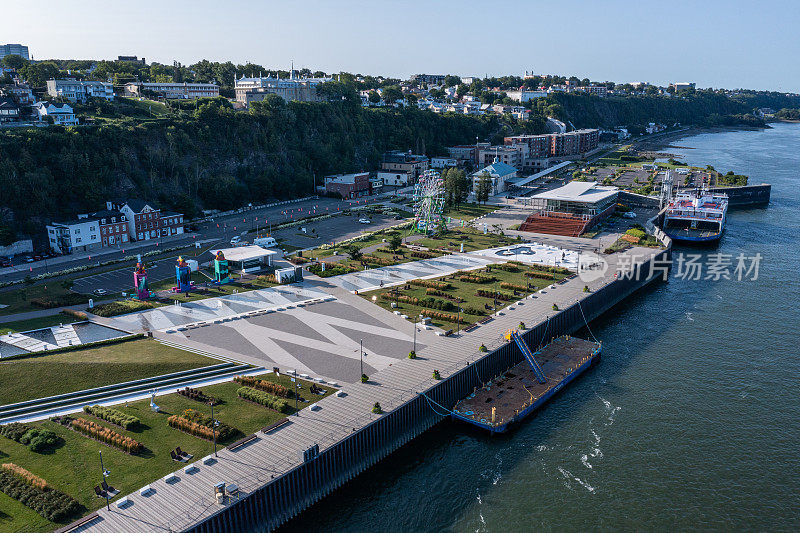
(280, 423)
(241, 442)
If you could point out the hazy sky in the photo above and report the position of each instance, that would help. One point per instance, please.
(734, 43)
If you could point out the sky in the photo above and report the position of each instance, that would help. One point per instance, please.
(714, 43)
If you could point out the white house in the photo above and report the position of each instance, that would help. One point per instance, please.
(61, 114)
(82, 234)
(80, 91)
(499, 172)
(393, 178)
(443, 162)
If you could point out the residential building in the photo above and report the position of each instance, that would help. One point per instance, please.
(443, 162)
(14, 49)
(170, 91)
(465, 152)
(113, 227)
(300, 89)
(412, 164)
(61, 114)
(538, 145)
(469, 80)
(513, 155)
(79, 235)
(524, 95)
(9, 110)
(80, 91)
(574, 142)
(429, 79)
(22, 94)
(678, 85)
(571, 209)
(147, 222)
(349, 186)
(500, 174)
(393, 178)
(132, 59)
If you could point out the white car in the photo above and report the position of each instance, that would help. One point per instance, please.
(100, 292)
(629, 214)
(235, 240)
(364, 221)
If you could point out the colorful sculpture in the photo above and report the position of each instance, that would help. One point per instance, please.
(183, 276)
(221, 268)
(140, 281)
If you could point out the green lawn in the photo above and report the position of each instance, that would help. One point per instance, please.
(36, 323)
(47, 375)
(472, 238)
(464, 290)
(469, 211)
(74, 466)
(19, 300)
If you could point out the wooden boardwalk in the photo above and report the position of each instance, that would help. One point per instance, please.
(189, 499)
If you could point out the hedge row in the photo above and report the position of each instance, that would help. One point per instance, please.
(513, 286)
(508, 267)
(35, 438)
(497, 295)
(106, 435)
(471, 278)
(199, 426)
(264, 385)
(197, 395)
(553, 269)
(423, 255)
(52, 504)
(437, 292)
(448, 317)
(114, 416)
(264, 398)
(540, 275)
(71, 298)
(119, 308)
(430, 283)
(441, 305)
(28, 477)
(377, 260)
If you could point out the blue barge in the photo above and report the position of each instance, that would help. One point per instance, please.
(525, 387)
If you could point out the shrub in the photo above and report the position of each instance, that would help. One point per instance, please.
(471, 278)
(80, 315)
(442, 305)
(35, 438)
(200, 425)
(508, 267)
(412, 354)
(112, 416)
(331, 269)
(497, 295)
(442, 285)
(474, 311)
(423, 255)
(51, 302)
(540, 275)
(52, 504)
(275, 389)
(106, 435)
(447, 317)
(197, 395)
(513, 286)
(635, 232)
(120, 308)
(364, 378)
(263, 398)
(374, 260)
(31, 479)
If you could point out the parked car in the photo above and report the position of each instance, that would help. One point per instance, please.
(364, 221)
(629, 214)
(100, 292)
(235, 240)
(29, 259)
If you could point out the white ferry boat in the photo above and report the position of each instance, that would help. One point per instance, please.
(696, 215)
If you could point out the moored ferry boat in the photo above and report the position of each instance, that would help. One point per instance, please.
(697, 215)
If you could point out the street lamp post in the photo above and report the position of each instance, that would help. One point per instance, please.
(296, 384)
(362, 357)
(214, 428)
(105, 475)
(458, 321)
(416, 318)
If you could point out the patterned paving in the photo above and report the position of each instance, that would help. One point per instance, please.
(440, 266)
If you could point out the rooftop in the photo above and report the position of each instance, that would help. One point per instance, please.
(579, 191)
(243, 253)
(497, 168)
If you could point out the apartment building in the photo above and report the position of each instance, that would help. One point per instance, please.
(412, 164)
(513, 155)
(290, 89)
(173, 91)
(79, 235)
(557, 144)
(349, 186)
(113, 227)
(80, 91)
(147, 222)
(14, 49)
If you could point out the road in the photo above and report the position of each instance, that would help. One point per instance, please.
(220, 230)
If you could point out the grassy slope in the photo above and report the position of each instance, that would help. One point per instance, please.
(23, 379)
(35, 323)
(469, 211)
(74, 467)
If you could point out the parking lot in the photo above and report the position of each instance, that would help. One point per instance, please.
(338, 228)
(121, 280)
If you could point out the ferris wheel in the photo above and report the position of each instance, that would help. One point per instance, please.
(429, 203)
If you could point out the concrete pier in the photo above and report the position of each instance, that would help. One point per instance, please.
(275, 482)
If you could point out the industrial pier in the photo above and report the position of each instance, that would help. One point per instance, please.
(276, 476)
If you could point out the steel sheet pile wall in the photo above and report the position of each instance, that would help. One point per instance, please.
(289, 494)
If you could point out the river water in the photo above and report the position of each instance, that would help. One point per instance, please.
(690, 421)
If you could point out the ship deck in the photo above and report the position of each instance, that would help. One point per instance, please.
(518, 388)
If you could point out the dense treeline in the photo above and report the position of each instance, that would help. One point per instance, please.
(700, 108)
(213, 157)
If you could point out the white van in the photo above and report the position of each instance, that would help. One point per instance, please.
(265, 242)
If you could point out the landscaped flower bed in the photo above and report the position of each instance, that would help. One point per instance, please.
(113, 416)
(263, 398)
(497, 295)
(442, 285)
(200, 425)
(106, 435)
(28, 477)
(50, 503)
(197, 395)
(471, 278)
(443, 316)
(266, 386)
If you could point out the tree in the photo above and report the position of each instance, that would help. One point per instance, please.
(374, 97)
(484, 188)
(354, 252)
(411, 99)
(451, 81)
(14, 61)
(456, 186)
(394, 242)
(392, 94)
